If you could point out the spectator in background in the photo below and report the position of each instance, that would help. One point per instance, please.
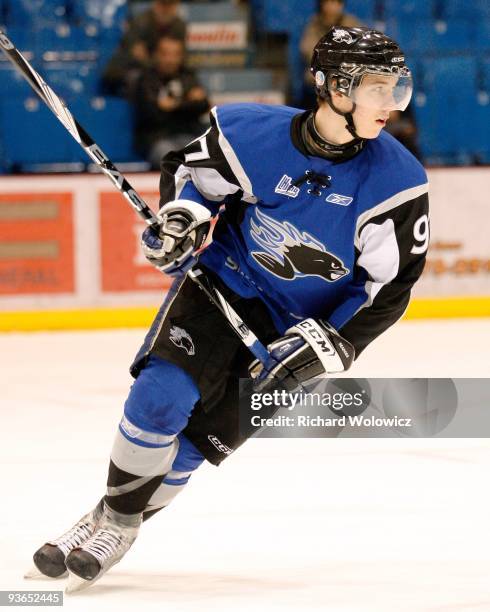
(169, 103)
(138, 44)
(330, 13)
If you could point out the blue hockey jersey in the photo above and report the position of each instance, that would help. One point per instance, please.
(342, 241)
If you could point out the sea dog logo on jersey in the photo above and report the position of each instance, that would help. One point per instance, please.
(182, 339)
(284, 187)
(342, 36)
(291, 253)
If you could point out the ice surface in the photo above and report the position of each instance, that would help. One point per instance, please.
(339, 525)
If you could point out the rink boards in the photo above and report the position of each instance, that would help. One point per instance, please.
(70, 257)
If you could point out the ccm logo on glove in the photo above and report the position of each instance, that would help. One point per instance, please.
(319, 337)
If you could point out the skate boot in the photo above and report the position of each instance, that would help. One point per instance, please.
(49, 560)
(113, 537)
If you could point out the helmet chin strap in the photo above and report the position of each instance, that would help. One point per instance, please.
(351, 127)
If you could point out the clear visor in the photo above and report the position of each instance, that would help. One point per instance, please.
(382, 92)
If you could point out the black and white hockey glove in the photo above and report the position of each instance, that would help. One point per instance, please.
(184, 227)
(309, 349)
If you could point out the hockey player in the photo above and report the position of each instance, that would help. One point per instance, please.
(322, 235)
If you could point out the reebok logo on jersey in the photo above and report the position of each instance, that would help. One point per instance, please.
(336, 198)
(291, 253)
(182, 339)
(284, 187)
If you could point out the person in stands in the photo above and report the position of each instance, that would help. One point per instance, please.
(169, 102)
(136, 48)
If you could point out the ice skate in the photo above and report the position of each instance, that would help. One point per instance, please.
(113, 537)
(49, 560)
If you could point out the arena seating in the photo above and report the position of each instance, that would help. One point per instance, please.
(444, 125)
(69, 41)
(446, 41)
(33, 14)
(109, 121)
(33, 137)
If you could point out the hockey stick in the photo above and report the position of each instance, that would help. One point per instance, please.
(52, 100)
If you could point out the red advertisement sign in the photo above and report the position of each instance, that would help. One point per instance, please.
(213, 35)
(36, 243)
(124, 267)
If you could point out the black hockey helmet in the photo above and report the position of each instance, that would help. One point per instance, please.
(343, 57)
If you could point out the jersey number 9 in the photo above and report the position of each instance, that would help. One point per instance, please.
(421, 235)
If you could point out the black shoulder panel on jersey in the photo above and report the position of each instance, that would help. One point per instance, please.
(204, 152)
(404, 217)
(392, 300)
(169, 166)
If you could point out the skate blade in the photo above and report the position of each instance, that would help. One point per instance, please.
(35, 574)
(77, 584)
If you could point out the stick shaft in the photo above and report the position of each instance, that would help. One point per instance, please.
(54, 102)
(241, 329)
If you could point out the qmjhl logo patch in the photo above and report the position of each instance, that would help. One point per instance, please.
(285, 187)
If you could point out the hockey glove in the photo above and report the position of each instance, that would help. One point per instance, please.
(310, 348)
(183, 230)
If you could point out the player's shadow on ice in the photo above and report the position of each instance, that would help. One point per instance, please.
(186, 586)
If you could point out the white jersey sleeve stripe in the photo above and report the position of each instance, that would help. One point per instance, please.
(380, 257)
(211, 183)
(181, 177)
(234, 162)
